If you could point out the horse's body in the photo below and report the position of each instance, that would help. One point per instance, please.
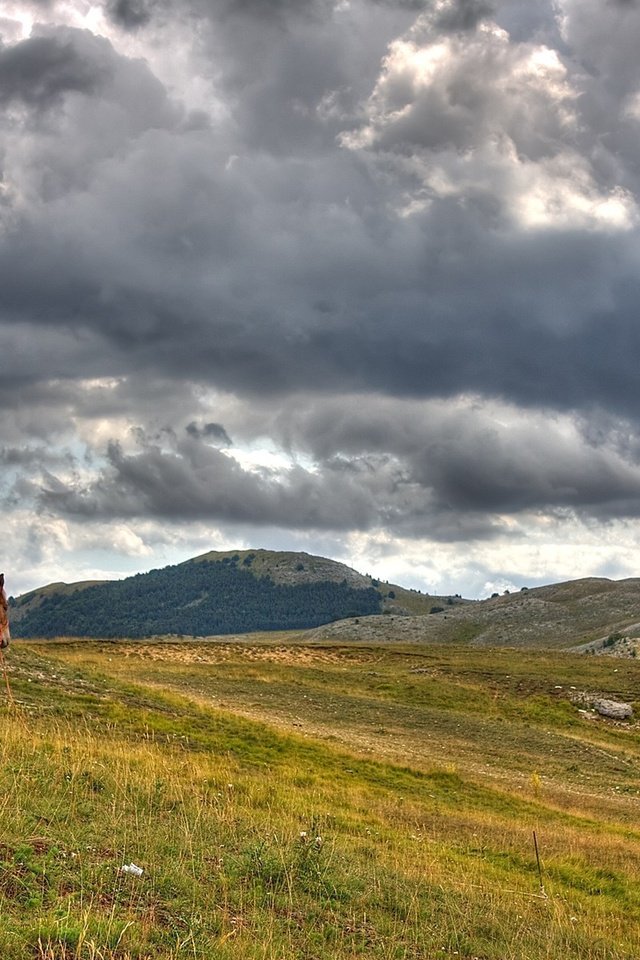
(5, 635)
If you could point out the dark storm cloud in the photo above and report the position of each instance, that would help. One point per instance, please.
(39, 70)
(134, 13)
(472, 461)
(130, 13)
(27, 456)
(195, 481)
(209, 431)
(463, 15)
(281, 64)
(448, 473)
(266, 276)
(372, 207)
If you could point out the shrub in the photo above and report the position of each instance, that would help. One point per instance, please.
(612, 639)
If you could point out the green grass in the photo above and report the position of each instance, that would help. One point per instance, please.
(291, 801)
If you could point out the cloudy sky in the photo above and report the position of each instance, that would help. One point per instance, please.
(356, 277)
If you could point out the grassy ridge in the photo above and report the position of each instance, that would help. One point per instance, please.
(300, 802)
(561, 615)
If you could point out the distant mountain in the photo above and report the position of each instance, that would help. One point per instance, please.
(217, 593)
(582, 614)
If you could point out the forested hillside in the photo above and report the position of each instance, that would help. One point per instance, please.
(195, 598)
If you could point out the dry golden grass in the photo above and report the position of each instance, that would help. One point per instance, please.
(186, 761)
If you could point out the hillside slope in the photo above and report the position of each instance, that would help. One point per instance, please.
(299, 802)
(560, 615)
(216, 593)
(260, 590)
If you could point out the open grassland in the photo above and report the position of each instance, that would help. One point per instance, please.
(291, 801)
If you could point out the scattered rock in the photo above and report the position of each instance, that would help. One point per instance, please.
(588, 714)
(614, 709)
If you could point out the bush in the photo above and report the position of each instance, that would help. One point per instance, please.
(612, 639)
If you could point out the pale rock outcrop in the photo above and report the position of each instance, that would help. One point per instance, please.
(614, 709)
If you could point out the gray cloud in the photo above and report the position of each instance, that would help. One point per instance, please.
(447, 472)
(394, 203)
(195, 481)
(209, 431)
(461, 15)
(130, 13)
(465, 458)
(28, 456)
(313, 279)
(133, 13)
(43, 68)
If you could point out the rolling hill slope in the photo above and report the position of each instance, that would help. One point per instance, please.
(244, 591)
(334, 803)
(216, 593)
(562, 615)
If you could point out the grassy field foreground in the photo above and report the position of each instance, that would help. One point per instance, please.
(290, 801)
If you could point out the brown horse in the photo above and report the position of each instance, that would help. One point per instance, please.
(5, 635)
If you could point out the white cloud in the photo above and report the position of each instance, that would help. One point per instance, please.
(476, 113)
